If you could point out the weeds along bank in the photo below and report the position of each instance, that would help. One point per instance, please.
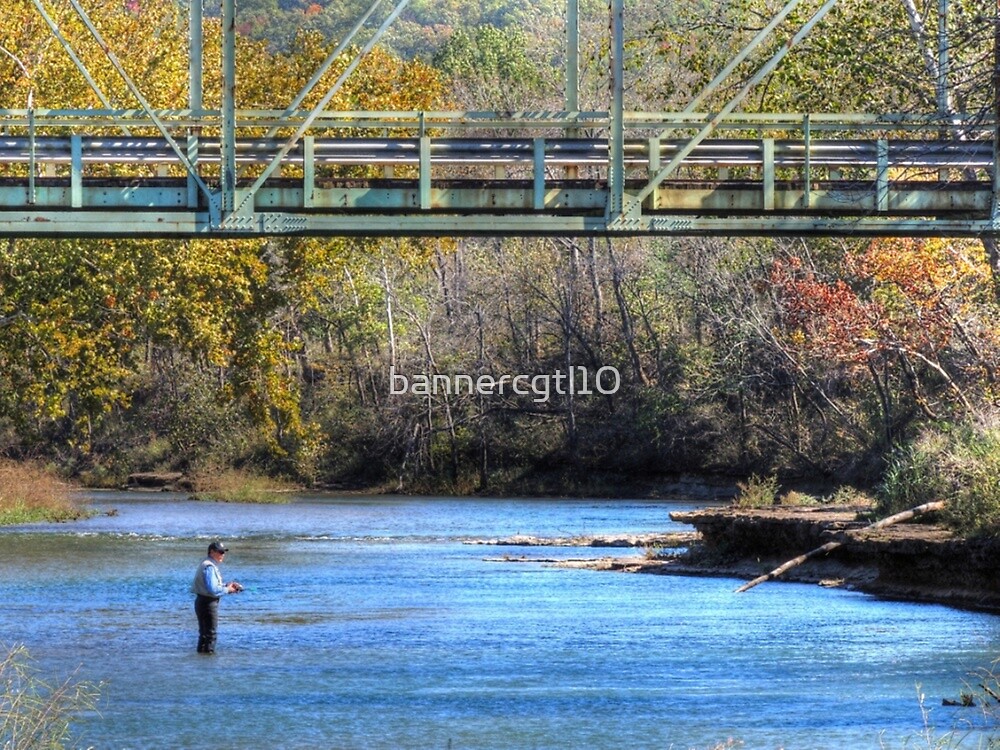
(29, 492)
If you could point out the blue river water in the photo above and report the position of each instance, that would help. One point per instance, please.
(372, 623)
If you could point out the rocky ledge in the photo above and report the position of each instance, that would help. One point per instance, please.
(648, 541)
(918, 561)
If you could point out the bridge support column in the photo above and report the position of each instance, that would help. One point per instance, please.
(308, 171)
(76, 172)
(769, 174)
(539, 175)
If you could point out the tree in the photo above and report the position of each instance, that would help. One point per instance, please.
(915, 320)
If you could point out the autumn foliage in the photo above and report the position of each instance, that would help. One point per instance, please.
(921, 308)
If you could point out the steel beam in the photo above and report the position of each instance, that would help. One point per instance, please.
(184, 223)
(228, 208)
(530, 166)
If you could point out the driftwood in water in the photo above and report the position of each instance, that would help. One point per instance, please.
(906, 515)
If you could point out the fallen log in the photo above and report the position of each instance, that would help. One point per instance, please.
(905, 515)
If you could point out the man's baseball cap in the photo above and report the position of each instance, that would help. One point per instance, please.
(217, 547)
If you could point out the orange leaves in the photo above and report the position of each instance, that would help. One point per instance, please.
(906, 297)
(825, 318)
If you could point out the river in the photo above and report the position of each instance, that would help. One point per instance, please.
(369, 622)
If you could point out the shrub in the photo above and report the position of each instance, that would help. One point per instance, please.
(960, 465)
(757, 492)
(796, 499)
(29, 493)
(848, 495)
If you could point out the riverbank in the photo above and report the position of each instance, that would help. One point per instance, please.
(923, 562)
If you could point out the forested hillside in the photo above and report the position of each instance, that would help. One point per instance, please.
(817, 359)
(422, 29)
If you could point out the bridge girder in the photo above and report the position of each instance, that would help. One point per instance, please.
(824, 175)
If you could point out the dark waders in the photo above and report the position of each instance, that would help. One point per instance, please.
(207, 609)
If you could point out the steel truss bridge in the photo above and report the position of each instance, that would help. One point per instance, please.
(200, 172)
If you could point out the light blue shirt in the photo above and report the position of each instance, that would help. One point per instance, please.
(208, 579)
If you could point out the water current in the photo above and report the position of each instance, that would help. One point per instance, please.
(371, 623)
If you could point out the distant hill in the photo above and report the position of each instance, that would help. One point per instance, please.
(418, 33)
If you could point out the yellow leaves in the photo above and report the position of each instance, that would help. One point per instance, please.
(150, 44)
(80, 317)
(926, 269)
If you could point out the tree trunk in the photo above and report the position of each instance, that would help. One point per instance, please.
(906, 515)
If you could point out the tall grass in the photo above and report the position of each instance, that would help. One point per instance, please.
(29, 493)
(233, 486)
(36, 714)
(958, 464)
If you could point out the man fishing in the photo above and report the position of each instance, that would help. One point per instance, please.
(208, 589)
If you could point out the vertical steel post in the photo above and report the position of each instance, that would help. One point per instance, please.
(807, 167)
(573, 72)
(32, 192)
(195, 62)
(616, 134)
(653, 168)
(538, 189)
(228, 176)
(308, 171)
(424, 180)
(944, 110)
(996, 117)
(76, 171)
(572, 55)
(195, 86)
(769, 174)
(882, 175)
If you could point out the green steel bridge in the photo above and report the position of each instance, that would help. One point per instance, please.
(227, 172)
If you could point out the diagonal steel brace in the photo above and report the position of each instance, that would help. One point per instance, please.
(321, 71)
(318, 109)
(113, 59)
(54, 28)
(635, 202)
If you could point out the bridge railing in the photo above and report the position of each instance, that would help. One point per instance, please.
(526, 167)
(859, 141)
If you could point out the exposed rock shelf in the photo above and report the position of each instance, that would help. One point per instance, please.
(916, 562)
(649, 541)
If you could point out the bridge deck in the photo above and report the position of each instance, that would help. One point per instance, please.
(861, 177)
